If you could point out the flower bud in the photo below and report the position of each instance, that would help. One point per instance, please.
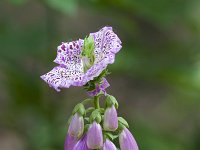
(81, 144)
(95, 136)
(69, 142)
(108, 145)
(76, 126)
(110, 119)
(127, 141)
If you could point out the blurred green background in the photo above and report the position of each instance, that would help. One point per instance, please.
(156, 76)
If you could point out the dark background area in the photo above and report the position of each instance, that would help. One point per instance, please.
(155, 78)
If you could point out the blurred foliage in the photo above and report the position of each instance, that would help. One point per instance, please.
(158, 68)
(65, 6)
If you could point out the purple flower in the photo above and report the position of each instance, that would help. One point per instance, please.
(81, 144)
(108, 145)
(127, 141)
(110, 119)
(70, 70)
(76, 126)
(95, 136)
(99, 87)
(69, 142)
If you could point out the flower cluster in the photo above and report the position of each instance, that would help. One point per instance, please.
(84, 63)
(96, 128)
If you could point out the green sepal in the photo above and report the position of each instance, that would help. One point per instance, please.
(79, 108)
(101, 110)
(87, 119)
(91, 85)
(111, 136)
(111, 100)
(95, 116)
(122, 122)
(86, 127)
(103, 74)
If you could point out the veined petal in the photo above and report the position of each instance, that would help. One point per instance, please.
(76, 126)
(127, 141)
(95, 136)
(69, 142)
(110, 119)
(108, 145)
(81, 144)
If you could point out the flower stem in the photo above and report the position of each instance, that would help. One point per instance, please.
(96, 102)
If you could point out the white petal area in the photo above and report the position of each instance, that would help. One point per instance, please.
(62, 77)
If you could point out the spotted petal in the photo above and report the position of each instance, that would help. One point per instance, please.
(63, 77)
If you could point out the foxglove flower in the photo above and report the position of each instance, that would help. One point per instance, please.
(69, 142)
(76, 126)
(81, 144)
(108, 145)
(95, 136)
(110, 119)
(70, 70)
(127, 141)
(99, 87)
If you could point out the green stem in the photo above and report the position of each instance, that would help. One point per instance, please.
(96, 102)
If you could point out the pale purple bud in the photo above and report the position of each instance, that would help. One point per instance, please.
(110, 119)
(127, 141)
(99, 87)
(76, 126)
(69, 142)
(81, 144)
(108, 145)
(95, 136)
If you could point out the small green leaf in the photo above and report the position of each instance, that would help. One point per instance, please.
(111, 136)
(86, 127)
(87, 119)
(17, 2)
(65, 6)
(123, 122)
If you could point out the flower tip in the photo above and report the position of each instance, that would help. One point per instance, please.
(76, 126)
(95, 136)
(108, 27)
(42, 77)
(127, 141)
(81, 144)
(69, 142)
(110, 119)
(108, 145)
